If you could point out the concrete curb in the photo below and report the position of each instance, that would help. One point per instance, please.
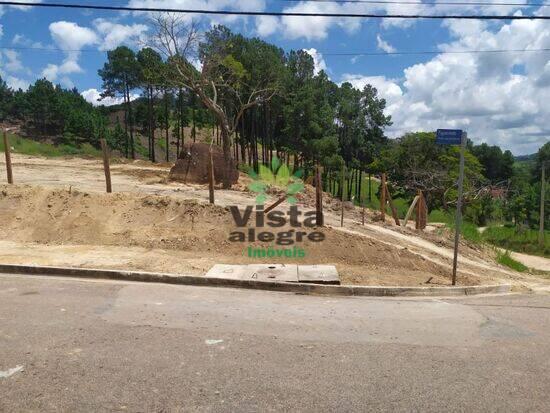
(313, 289)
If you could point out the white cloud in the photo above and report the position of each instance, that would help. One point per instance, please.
(22, 40)
(71, 36)
(318, 61)
(485, 94)
(114, 34)
(10, 62)
(267, 25)
(384, 45)
(93, 96)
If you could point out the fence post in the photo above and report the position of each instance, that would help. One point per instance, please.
(7, 151)
(342, 184)
(210, 177)
(319, 197)
(106, 165)
(383, 198)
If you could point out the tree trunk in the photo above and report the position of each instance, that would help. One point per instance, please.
(166, 121)
(226, 146)
(130, 122)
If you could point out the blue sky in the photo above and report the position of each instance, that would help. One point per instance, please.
(498, 98)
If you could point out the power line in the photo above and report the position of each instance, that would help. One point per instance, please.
(273, 13)
(432, 3)
(367, 53)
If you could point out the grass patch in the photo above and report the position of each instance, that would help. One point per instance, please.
(505, 259)
(519, 240)
(30, 147)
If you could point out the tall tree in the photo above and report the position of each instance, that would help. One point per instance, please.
(120, 75)
(220, 70)
(150, 63)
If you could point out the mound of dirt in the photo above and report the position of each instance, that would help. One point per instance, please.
(192, 165)
(59, 216)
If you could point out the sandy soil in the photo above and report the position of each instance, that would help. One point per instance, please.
(58, 214)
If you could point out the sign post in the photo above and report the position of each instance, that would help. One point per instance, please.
(455, 137)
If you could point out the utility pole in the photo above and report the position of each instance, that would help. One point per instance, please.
(458, 222)
(542, 193)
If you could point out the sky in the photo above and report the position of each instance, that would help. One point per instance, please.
(498, 98)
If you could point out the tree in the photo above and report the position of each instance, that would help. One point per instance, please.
(415, 162)
(221, 72)
(6, 97)
(150, 64)
(498, 166)
(42, 101)
(120, 75)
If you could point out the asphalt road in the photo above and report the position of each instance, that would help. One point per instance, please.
(75, 345)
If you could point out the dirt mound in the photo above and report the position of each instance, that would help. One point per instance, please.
(58, 217)
(192, 165)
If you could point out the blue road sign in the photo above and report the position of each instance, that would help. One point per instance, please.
(449, 137)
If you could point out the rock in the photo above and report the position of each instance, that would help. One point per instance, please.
(192, 165)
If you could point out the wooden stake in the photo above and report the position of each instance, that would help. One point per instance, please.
(7, 151)
(418, 209)
(210, 177)
(410, 211)
(319, 196)
(343, 196)
(276, 204)
(383, 192)
(393, 208)
(106, 166)
(363, 212)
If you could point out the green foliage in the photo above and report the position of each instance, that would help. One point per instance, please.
(30, 147)
(504, 258)
(517, 239)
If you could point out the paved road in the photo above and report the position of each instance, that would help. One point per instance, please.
(114, 346)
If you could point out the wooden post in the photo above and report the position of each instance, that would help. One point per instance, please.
(363, 212)
(383, 191)
(393, 208)
(418, 209)
(7, 150)
(210, 177)
(542, 193)
(343, 191)
(411, 209)
(106, 166)
(319, 196)
(275, 204)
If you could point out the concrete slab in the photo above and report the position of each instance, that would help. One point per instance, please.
(258, 272)
(274, 272)
(318, 274)
(229, 272)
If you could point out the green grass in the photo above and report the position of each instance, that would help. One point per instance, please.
(525, 240)
(400, 204)
(505, 259)
(30, 147)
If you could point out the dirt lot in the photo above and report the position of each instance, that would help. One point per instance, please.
(58, 214)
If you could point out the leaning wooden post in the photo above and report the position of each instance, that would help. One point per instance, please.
(419, 210)
(8, 158)
(392, 207)
(383, 198)
(319, 197)
(106, 165)
(210, 177)
(342, 183)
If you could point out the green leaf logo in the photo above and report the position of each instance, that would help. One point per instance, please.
(280, 176)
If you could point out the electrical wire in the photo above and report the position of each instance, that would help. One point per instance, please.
(273, 13)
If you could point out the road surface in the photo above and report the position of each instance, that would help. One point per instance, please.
(82, 345)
